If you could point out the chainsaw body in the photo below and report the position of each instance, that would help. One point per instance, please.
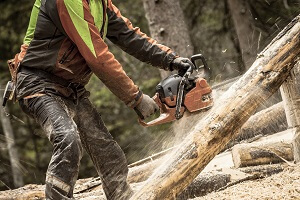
(176, 94)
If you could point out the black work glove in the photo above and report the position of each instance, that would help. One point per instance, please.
(146, 107)
(181, 64)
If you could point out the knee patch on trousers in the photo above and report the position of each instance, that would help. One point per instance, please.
(56, 182)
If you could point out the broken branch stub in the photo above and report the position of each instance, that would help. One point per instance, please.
(212, 133)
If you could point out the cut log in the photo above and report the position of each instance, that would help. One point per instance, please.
(205, 184)
(211, 134)
(290, 91)
(264, 170)
(277, 148)
(265, 122)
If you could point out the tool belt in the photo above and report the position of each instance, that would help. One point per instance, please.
(53, 79)
(14, 68)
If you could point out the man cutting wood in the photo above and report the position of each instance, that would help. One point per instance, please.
(64, 45)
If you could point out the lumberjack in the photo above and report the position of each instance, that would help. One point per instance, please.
(64, 45)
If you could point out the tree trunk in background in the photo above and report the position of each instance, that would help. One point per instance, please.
(211, 134)
(12, 149)
(167, 26)
(248, 37)
(290, 92)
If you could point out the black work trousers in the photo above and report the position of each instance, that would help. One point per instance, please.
(70, 126)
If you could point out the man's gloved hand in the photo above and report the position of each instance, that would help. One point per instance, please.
(146, 107)
(181, 64)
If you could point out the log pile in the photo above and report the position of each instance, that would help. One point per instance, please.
(274, 149)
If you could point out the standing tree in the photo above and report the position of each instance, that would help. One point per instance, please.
(167, 26)
(12, 149)
(248, 36)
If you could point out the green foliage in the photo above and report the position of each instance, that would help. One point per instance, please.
(13, 23)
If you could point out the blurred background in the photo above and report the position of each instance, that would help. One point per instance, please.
(229, 33)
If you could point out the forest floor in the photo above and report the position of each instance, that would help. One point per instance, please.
(282, 186)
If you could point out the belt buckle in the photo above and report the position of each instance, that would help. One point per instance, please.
(73, 85)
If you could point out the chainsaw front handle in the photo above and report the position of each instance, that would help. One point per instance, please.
(167, 114)
(206, 68)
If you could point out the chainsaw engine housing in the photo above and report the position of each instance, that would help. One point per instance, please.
(178, 93)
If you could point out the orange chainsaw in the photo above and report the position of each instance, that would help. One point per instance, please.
(178, 93)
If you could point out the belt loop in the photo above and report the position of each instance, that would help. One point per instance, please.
(76, 97)
(74, 87)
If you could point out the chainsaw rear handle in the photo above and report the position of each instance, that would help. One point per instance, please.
(207, 71)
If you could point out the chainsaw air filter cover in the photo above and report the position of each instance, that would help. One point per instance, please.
(168, 88)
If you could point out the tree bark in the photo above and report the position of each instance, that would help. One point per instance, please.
(167, 26)
(264, 170)
(12, 149)
(211, 134)
(265, 122)
(290, 92)
(274, 149)
(205, 184)
(248, 36)
(268, 121)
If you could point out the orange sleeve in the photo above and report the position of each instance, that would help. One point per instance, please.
(78, 23)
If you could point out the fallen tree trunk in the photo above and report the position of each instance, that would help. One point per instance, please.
(205, 184)
(273, 118)
(268, 121)
(278, 148)
(212, 133)
(264, 170)
(291, 97)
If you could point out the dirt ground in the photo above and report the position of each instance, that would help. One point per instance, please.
(282, 186)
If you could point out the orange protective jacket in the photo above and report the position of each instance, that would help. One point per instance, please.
(66, 38)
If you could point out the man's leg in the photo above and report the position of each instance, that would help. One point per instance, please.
(106, 154)
(53, 115)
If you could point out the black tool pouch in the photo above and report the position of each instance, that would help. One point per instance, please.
(9, 92)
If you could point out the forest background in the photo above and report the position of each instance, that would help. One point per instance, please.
(213, 29)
